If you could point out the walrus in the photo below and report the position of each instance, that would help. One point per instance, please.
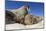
(9, 17)
(30, 19)
(21, 13)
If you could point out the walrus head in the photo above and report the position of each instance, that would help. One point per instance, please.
(26, 7)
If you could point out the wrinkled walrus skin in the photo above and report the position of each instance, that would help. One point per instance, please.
(30, 19)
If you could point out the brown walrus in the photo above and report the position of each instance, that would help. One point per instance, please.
(30, 19)
(21, 13)
(9, 17)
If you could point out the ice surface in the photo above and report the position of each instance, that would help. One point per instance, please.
(21, 26)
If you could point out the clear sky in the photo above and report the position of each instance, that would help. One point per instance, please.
(37, 8)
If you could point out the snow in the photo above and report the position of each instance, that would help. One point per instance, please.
(21, 26)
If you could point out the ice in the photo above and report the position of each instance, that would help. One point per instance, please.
(21, 26)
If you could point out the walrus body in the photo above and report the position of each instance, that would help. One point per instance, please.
(16, 18)
(9, 17)
(30, 19)
(21, 13)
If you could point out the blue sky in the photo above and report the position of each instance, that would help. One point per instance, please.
(37, 8)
